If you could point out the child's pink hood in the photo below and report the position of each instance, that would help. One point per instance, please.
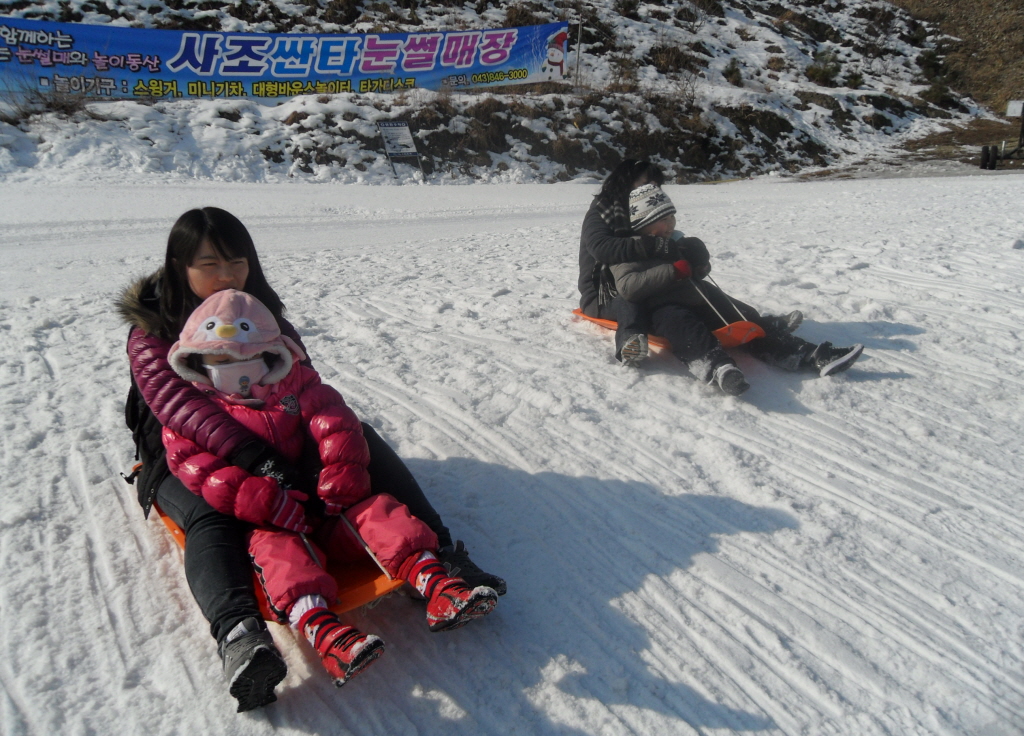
(234, 323)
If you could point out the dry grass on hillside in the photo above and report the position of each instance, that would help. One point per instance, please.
(987, 62)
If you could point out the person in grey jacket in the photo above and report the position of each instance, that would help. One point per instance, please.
(684, 308)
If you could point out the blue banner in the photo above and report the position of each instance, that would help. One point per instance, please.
(134, 63)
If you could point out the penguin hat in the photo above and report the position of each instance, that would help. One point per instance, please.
(235, 324)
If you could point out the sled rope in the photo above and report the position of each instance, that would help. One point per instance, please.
(742, 318)
(699, 291)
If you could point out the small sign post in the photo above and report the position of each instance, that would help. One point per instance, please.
(1015, 109)
(398, 143)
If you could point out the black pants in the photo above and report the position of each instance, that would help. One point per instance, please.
(631, 318)
(688, 327)
(217, 564)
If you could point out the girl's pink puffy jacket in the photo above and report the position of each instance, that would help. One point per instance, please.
(297, 402)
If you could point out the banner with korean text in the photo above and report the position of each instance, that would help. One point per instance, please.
(134, 63)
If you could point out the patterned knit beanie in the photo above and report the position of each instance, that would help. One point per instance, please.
(237, 324)
(647, 205)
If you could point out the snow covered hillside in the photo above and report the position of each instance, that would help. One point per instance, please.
(838, 556)
(710, 89)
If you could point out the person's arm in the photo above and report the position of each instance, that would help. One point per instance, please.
(190, 413)
(639, 281)
(607, 247)
(344, 480)
(229, 489)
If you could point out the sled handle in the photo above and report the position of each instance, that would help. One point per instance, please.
(742, 316)
(309, 548)
(365, 546)
(699, 291)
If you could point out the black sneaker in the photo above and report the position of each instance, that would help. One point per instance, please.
(456, 561)
(828, 360)
(730, 379)
(634, 350)
(252, 664)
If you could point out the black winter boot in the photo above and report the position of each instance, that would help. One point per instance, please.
(455, 559)
(730, 379)
(718, 369)
(828, 360)
(252, 664)
(634, 350)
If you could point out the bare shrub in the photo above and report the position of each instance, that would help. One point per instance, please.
(669, 58)
(521, 14)
(824, 70)
(732, 73)
(22, 99)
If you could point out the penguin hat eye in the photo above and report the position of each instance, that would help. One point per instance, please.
(210, 325)
(244, 326)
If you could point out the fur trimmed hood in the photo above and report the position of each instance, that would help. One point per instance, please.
(139, 306)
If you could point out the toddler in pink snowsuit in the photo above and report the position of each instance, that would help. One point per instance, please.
(232, 348)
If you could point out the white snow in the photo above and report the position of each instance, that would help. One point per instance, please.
(837, 556)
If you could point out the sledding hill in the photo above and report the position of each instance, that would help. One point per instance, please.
(711, 89)
(841, 556)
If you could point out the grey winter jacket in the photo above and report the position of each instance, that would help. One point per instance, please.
(654, 282)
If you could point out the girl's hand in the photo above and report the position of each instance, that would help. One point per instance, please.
(289, 512)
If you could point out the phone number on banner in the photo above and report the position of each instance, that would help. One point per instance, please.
(464, 80)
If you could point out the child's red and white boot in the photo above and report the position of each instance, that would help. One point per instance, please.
(450, 602)
(344, 650)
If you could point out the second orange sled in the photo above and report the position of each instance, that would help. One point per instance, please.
(736, 333)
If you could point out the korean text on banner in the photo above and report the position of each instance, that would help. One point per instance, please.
(134, 63)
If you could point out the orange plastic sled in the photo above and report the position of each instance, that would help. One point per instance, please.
(729, 336)
(359, 582)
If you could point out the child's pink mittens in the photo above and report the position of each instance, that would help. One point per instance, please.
(290, 513)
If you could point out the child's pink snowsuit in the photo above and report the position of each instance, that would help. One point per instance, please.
(290, 407)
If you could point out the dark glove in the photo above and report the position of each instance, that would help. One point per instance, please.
(259, 459)
(694, 251)
(664, 249)
(683, 270)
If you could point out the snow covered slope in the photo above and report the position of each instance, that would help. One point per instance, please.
(709, 89)
(838, 556)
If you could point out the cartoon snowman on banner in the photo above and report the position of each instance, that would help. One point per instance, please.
(553, 68)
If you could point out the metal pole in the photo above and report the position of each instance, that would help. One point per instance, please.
(579, 40)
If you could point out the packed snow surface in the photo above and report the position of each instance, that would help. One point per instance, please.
(818, 556)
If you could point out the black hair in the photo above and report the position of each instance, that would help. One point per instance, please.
(229, 239)
(626, 177)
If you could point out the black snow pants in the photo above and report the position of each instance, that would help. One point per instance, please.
(688, 328)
